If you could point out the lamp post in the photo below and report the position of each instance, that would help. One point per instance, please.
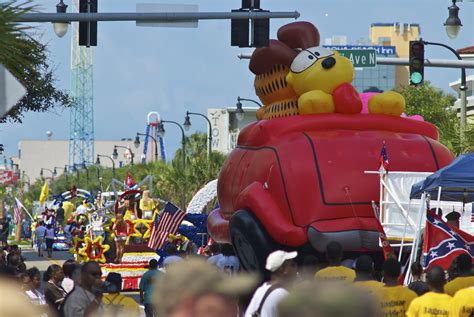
(137, 143)
(239, 113)
(111, 159)
(60, 28)
(187, 125)
(161, 133)
(46, 169)
(462, 88)
(115, 153)
(453, 22)
(55, 171)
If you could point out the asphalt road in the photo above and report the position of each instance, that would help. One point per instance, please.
(42, 263)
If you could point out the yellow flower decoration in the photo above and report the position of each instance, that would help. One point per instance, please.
(147, 223)
(90, 245)
(77, 243)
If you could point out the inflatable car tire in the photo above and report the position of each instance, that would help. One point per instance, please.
(250, 241)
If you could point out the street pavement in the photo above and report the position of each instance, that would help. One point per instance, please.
(42, 263)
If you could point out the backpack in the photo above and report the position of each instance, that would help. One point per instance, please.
(258, 312)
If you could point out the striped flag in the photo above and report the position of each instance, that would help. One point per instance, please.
(17, 211)
(384, 157)
(168, 222)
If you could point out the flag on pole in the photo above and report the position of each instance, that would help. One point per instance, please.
(168, 222)
(386, 247)
(44, 193)
(17, 211)
(384, 157)
(443, 242)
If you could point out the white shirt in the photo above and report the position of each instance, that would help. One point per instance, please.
(67, 284)
(270, 306)
(214, 259)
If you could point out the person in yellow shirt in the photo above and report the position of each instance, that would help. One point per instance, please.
(116, 304)
(435, 302)
(394, 298)
(147, 205)
(335, 272)
(462, 304)
(465, 279)
(364, 279)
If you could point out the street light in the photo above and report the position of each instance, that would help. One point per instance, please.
(462, 88)
(453, 22)
(60, 28)
(111, 159)
(46, 169)
(137, 143)
(115, 153)
(187, 125)
(55, 171)
(239, 113)
(161, 133)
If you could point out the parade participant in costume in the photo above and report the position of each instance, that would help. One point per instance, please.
(120, 229)
(49, 217)
(130, 211)
(147, 205)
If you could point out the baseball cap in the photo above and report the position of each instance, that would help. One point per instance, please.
(194, 278)
(277, 258)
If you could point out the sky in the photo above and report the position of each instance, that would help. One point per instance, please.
(171, 70)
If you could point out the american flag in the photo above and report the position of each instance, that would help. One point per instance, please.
(17, 211)
(384, 157)
(168, 222)
(443, 242)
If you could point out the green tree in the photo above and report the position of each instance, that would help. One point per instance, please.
(436, 107)
(27, 60)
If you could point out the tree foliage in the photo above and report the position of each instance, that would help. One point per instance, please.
(26, 59)
(437, 107)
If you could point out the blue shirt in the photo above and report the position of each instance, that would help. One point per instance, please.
(146, 284)
(40, 232)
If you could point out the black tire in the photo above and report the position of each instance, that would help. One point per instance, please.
(251, 242)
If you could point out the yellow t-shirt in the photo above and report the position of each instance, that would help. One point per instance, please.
(118, 304)
(336, 274)
(462, 304)
(148, 205)
(458, 283)
(370, 287)
(394, 300)
(430, 304)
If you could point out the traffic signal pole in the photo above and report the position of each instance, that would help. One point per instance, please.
(152, 17)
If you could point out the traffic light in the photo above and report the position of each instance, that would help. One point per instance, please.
(417, 62)
(88, 30)
(240, 28)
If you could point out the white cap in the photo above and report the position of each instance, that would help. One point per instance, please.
(276, 259)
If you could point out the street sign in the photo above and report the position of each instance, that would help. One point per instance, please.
(11, 91)
(360, 58)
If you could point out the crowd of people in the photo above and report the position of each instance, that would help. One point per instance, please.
(215, 286)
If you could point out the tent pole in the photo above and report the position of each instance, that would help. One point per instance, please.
(439, 199)
(404, 234)
(414, 249)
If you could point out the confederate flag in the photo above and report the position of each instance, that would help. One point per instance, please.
(443, 242)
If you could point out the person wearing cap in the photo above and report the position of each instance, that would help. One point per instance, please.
(364, 269)
(335, 272)
(464, 278)
(266, 298)
(116, 304)
(435, 302)
(394, 298)
(199, 289)
(453, 218)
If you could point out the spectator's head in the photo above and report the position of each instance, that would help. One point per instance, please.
(14, 248)
(334, 253)
(215, 248)
(416, 270)
(13, 259)
(282, 265)
(116, 280)
(453, 218)
(60, 205)
(69, 266)
(54, 273)
(35, 277)
(227, 250)
(49, 226)
(25, 282)
(464, 264)
(153, 264)
(364, 268)
(90, 275)
(171, 249)
(436, 279)
(212, 294)
(391, 270)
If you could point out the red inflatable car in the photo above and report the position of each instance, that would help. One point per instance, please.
(299, 181)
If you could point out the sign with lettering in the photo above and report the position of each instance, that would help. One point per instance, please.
(360, 58)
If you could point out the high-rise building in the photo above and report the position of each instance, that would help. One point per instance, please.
(399, 36)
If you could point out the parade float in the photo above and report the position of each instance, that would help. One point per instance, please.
(296, 179)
